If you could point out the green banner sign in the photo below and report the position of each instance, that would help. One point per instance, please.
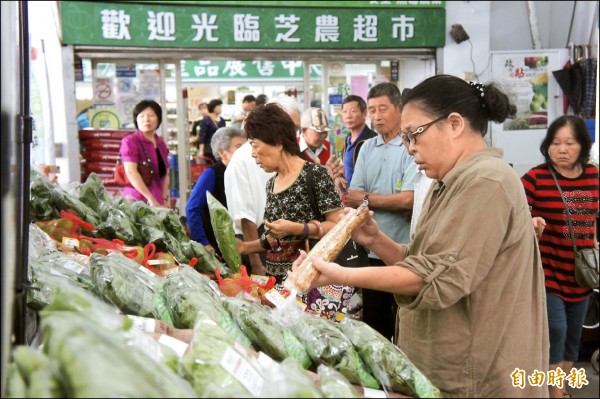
(195, 26)
(246, 70)
(309, 3)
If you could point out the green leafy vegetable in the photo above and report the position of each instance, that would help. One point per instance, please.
(387, 362)
(224, 233)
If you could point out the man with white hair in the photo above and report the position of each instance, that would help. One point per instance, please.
(245, 188)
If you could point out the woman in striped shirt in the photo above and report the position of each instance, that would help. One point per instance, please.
(566, 149)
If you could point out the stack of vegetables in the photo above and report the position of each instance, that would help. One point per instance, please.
(91, 350)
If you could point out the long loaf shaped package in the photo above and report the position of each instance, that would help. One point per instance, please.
(328, 248)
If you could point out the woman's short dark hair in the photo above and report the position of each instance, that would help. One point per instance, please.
(143, 105)
(581, 135)
(270, 124)
(213, 104)
(441, 95)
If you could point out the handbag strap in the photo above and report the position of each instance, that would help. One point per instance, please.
(566, 207)
(143, 148)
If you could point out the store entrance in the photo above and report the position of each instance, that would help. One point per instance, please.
(180, 86)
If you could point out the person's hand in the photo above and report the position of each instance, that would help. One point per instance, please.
(279, 228)
(210, 249)
(241, 245)
(355, 197)
(335, 167)
(367, 232)
(329, 272)
(153, 202)
(256, 265)
(539, 224)
(341, 184)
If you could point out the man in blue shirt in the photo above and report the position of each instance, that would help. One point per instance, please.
(384, 171)
(354, 116)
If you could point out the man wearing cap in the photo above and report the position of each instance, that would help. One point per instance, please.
(313, 142)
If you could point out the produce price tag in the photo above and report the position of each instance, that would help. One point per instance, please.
(275, 297)
(74, 266)
(373, 393)
(236, 365)
(145, 270)
(262, 280)
(154, 262)
(178, 346)
(70, 242)
(145, 324)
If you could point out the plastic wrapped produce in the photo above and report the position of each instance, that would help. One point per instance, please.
(387, 362)
(326, 344)
(222, 225)
(31, 374)
(265, 332)
(289, 380)
(97, 362)
(130, 287)
(333, 384)
(217, 367)
(187, 292)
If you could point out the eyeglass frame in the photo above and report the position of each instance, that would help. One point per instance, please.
(409, 137)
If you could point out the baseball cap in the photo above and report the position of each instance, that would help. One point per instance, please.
(316, 119)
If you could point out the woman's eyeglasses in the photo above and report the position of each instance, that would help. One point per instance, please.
(409, 137)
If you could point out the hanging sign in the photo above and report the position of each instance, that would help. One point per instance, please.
(202, 26)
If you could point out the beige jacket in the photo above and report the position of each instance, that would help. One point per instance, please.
(482, 313)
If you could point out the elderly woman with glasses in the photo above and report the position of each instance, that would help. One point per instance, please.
(469, 285)
(289, 216)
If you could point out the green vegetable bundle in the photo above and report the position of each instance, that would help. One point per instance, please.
(326, 344)
(387, 362)
(207, 262)
(187, 292)
(97, 362)
(130, 287)
(223, 227)
(266, 333)
(333, 384)
(212, 362)
(288, 379)
(31, 374)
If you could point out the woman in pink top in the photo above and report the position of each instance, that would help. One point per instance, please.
(147, 117)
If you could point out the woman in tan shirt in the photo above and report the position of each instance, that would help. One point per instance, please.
(470, 286)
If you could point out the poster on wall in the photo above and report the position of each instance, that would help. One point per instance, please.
(526, 76)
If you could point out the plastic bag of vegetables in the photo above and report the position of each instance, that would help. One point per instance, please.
(130, 287)
(288, 380)
(265, 332)
(97, 362)
(31, 374)
(222, 225)
(333, 384)
(217, 367)
(326, 344)
(187, 292)
(387, 362)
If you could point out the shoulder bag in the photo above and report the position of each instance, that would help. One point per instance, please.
(586, 259)
(144, 168)
(353, 254)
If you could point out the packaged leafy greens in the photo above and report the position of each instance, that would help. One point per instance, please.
(223, 227)
(97, 362)
(326, 344)
(387, 362)
(31, 374)
(187, 292)
(265, 332)
(333, 384)
(217, 366)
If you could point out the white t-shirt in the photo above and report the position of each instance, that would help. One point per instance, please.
(245, 188)
(422, 183)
